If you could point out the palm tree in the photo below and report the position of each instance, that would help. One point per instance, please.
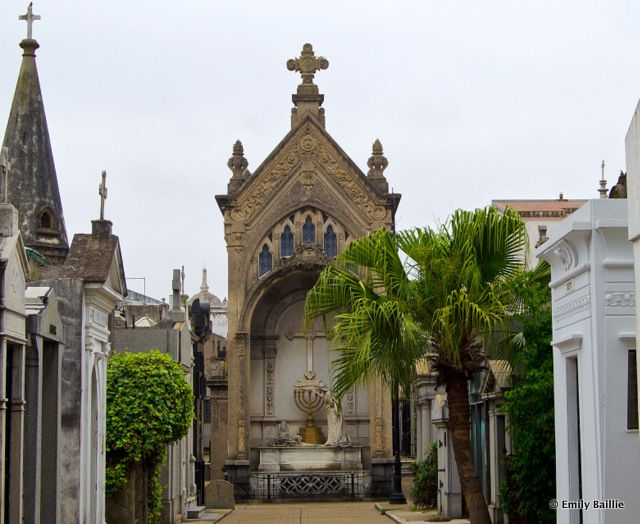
(441, 303)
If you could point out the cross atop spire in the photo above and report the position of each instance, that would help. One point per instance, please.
(102, 191)
(307, 98)
(29, 18)
(307, 64)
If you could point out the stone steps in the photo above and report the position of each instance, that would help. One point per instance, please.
(195, 512)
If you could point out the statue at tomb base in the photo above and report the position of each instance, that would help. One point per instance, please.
(285, 438)
(337, 435)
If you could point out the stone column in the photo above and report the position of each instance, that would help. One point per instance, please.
(425, 392)
(17, 406)
(427, 424)
(419, 432)
(33, 433)
(50, 438)
(380, 438)
(237, 465)
(3, 420)
(493, 463)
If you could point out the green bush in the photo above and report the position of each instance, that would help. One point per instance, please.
(425, 485)
(531, 468)
(149, 405)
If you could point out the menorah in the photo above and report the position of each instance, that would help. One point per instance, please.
(309, 398)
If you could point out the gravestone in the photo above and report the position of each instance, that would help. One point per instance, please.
(219, 495)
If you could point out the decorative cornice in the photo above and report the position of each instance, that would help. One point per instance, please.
(572, 308)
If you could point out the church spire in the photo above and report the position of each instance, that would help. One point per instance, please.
(33, 185)
(308, 98)
(204, 287)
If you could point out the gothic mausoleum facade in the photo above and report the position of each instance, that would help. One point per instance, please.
(283, 224)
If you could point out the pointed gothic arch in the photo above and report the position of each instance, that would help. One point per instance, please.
(308, 231)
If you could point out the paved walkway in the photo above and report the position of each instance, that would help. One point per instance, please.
(404, 514)
(321, 513)
(309, 513)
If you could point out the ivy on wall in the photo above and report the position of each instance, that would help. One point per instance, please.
(149, 406)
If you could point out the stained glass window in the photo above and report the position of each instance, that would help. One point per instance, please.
(286, 242)
(330, 243)
(265, 261)
(308, 231)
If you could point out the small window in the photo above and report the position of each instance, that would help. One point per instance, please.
(632, 391)
(330, 243)
(286, 242)
(308, 231)
(265, 261)
(46, 220)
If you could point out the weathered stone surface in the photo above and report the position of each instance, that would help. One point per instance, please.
(316, 458)
(33, 184)
(283, 224)
(219, 494)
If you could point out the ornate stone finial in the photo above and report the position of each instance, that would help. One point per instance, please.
(29, 18)
(238, 165)
(603, 183)
(307, 98)
(377, 164)
(102, 191)
(4, 175)
(307, 64)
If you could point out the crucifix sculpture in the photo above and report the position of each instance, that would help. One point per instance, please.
(102, 191)
(309, 336)
(309, 392)
(29, 18)
(307, 64)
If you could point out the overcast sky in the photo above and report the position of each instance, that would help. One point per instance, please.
(472, 101)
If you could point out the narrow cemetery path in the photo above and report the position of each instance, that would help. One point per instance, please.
(307, 513)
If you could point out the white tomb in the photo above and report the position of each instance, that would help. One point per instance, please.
(594, 342)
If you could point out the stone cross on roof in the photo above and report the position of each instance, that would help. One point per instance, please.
(307, 64)
(102, 191)
(29, 18)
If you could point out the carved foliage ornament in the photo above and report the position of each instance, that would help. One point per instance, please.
(309, 146)
(567, 255)
(620, 299)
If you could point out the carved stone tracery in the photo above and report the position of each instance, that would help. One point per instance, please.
(310, 147)
(270, 352)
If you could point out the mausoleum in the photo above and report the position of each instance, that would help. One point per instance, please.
(283, 224)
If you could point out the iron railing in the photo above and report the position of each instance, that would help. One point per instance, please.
(333, 485)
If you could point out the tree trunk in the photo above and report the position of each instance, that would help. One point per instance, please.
(459, 429)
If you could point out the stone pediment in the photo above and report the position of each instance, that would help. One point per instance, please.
(97, 260)
(116, 279)
(12, 252)
(309, 154)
